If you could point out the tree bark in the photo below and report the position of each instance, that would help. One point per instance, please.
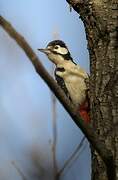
(100, 18)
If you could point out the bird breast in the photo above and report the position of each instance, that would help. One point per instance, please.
(77, 88)
(74, 78)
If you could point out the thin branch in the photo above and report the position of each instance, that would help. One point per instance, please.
(18, 170)
(90, 133)
(54, 129)
(71, 158)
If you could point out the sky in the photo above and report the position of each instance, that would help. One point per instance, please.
(25, 100)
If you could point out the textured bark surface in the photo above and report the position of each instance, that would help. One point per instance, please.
(100, 18)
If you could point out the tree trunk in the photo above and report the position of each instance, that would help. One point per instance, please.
(100, 18)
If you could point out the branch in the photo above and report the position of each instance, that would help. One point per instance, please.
(54, 129)
(90, 133)
(72, 157)
(19, 170)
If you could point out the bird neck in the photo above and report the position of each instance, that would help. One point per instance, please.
(65, 63)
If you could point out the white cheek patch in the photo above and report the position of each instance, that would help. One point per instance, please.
(61, 50)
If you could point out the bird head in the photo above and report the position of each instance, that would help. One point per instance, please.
(57, 52)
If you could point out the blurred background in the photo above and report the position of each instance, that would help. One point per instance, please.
(32, 146)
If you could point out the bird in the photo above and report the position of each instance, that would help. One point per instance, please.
(73, 79)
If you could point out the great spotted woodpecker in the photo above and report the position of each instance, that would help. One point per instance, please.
(69, 76)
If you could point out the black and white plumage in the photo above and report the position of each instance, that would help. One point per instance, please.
(61, 82)
(70, 76)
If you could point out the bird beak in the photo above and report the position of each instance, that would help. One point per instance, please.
(45, 51)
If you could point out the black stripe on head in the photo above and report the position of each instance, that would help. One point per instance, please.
(57, 42)
(67, 57)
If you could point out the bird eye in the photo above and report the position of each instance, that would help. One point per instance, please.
(56, 47)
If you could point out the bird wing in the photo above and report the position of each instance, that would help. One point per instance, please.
(61, 82)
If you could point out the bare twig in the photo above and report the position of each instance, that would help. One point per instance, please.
(90, 134)
(54, 129)
(71, 158)
(18, 170)
(54, 145)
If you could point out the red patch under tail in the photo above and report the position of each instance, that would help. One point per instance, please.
(84, 112)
